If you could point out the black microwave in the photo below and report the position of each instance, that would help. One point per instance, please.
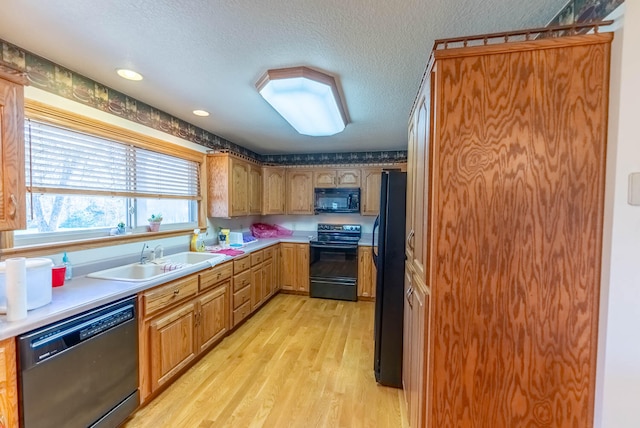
(341, 200)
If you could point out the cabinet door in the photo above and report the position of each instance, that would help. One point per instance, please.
(417, 240)
(8, 384)
(348, 178)
(173, 343)
(267, 278)
(255, 189)
(288, 266)
(213, 315)
(325, 178)
(418, 335)
(273, 194)
(407, 339)
(366, 273)
(239, 187)
(299, 192)
(12, 196)
(370, 195)
(277, 268)
(302, 267)
(257, 285)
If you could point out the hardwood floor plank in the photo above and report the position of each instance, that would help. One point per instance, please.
(298, 362)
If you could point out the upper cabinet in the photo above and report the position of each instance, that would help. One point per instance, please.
(230, 182)
(370, 193)
(299, 191)
(273, 190)
(255, 189)
(336, 178)
(12, 184)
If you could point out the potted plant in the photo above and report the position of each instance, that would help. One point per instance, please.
(121, 227)
(154, 222)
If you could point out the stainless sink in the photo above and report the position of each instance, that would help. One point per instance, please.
(139, 272)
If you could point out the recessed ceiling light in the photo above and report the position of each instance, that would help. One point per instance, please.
(201, 113)
(129, 74)
(306, 98)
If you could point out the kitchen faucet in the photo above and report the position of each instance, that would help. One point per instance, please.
(143, 259)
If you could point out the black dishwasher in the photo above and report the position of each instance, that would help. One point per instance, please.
(82, 371)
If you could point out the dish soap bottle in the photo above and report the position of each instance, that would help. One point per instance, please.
(194, 240)
(68, 273)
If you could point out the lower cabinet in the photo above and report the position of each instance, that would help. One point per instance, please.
(180, 320)
(294, 262)
(172, 340)
(8, 384)
(366, 274)
(414, 370)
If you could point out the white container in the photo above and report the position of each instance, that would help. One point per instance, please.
(39, 290)
(235, 238)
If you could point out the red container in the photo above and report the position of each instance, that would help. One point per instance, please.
(57, 275)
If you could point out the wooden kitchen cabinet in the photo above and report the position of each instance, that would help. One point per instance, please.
(257, 286)
(370, 190)
(242, 290)
(496, 177)
(336, 177)
(8, 384)
(173, 343)
(12, 181)
(294, 263)
(179, 321)
(255, 189)
(235, 186)
(213, 317)
(415, 349)
(299, 191)
(366, 274)
(273, 190)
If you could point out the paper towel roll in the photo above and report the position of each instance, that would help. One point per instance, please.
(16, 283)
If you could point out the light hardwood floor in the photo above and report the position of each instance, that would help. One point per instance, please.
(298, 362)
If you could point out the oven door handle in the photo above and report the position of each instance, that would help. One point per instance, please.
(338, 246)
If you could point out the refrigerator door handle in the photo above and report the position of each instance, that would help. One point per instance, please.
(376, 225)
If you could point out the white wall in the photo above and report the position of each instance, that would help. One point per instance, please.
(618, 376)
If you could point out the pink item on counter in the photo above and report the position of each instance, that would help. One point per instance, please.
(229, 252)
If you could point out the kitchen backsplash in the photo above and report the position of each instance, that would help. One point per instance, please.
(56, 79)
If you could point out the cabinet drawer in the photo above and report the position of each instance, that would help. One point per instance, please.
(241, 297)
(256, 257)
(241, 313)
(268, 252)
(241, 264)
(242, 280)
(166, 295)
(215, 275)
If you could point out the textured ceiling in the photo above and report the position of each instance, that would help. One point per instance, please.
(209, 54)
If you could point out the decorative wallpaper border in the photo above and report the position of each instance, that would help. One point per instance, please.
(578, 11)
(58, 80)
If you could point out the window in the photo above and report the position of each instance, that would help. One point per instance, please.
(81, 185)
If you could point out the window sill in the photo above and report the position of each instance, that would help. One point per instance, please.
(86, 244)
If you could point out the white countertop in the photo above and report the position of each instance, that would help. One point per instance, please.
(82, 294)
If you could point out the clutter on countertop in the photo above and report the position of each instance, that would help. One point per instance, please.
(228, 252)
(264, 230)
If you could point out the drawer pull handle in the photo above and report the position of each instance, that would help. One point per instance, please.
(176, 291)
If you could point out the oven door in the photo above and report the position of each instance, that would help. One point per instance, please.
(333, 271)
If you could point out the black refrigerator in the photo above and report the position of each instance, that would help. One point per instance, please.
(389, 257)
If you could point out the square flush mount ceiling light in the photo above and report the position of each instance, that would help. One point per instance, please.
(306, 98)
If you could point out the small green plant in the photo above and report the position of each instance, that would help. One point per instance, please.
(155, 218)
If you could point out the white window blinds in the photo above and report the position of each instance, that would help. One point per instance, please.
(64, 161)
